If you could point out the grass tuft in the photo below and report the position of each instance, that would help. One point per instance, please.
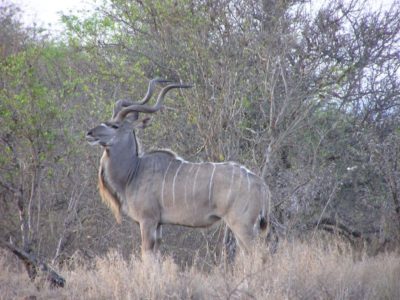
(297, 270)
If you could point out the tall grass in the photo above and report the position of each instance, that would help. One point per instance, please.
(298, 270)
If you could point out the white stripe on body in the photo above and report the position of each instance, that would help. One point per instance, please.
(231, 183)
(173, 182)
(240, 181)
(267, 194)
(210, 185)
(163, 183)
(248, 181)
(187, 177)
(248, 187)
(194, 181)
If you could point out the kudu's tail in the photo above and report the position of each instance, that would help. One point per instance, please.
(263, 225)
(263, 219)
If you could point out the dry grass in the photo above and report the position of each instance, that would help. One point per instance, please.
(296, 271)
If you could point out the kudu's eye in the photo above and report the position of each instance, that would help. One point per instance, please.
(112, 125)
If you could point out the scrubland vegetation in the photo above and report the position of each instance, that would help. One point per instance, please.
(298, 270)
(309, 100)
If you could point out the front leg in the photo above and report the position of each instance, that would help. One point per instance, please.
(148, 231)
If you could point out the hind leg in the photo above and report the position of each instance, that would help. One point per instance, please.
(229, 244)
(158, 234)
(245, 238)
(244, 235)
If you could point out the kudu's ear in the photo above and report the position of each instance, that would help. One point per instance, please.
(132, 117)
(142, 123)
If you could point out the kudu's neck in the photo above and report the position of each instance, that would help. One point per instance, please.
(120, 162)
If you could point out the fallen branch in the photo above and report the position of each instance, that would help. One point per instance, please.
(332, 225)
(33, 264)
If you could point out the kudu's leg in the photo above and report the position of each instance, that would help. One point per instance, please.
(230, 244)
(148, 231)
(244, 234)
(158, 238)
(244, 237)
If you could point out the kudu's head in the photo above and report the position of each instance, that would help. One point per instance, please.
(108, 133)
(126, 119)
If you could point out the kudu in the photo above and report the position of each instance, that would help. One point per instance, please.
(158, 187)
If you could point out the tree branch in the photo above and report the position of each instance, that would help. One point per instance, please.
(33, 264)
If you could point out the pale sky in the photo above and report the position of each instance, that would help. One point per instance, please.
(45, 12)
